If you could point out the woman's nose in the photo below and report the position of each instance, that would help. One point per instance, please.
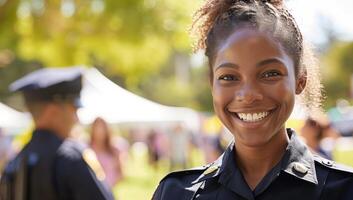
(248, 94)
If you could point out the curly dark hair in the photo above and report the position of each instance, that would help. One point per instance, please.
(216, 20)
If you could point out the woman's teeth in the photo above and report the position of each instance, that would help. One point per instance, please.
(252, 117)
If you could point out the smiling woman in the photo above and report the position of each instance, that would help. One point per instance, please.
(253, 87)
(258, 65)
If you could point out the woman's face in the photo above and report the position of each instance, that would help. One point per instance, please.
(253, 87)
(99, 132)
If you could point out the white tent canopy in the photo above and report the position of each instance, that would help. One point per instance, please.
(102, 97)
(11, 118)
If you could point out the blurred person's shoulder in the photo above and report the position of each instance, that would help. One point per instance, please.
(74, 155)
(78, 170)
(71, 150)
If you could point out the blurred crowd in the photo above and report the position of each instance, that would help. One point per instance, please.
(173, 145)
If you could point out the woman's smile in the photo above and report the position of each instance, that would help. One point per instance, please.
(251, 119)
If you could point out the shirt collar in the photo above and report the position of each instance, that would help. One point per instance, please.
(232, 177)
(297, 154)
(298, 160)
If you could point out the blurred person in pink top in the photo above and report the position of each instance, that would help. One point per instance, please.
(107, 154)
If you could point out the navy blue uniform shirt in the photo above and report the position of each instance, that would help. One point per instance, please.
(49, 168)
(299, 175)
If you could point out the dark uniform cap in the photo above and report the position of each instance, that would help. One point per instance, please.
(51, 85)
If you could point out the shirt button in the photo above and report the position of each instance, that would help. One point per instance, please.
(299, 167)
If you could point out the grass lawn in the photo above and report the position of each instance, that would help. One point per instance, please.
(141, 179)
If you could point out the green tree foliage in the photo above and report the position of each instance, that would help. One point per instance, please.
(132, 41)
(338, 70)
(126, 36)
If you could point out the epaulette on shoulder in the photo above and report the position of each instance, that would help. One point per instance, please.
(333, 165)
(200, 173)
(187, 172)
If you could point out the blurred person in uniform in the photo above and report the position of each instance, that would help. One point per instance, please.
(107, 153)
(258, 65)
(320, 136)
(51, 166)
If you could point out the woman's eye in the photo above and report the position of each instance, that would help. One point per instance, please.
(271, 74)
(227, 78)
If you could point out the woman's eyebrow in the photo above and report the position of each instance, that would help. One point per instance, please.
(269, 61)
(227, 65)
(261, 63)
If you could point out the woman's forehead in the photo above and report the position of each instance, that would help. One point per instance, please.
(249, 44)
(251, 37)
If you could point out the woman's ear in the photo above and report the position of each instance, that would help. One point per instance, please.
(300, 82)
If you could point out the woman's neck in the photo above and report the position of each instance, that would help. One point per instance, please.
(256, 162)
